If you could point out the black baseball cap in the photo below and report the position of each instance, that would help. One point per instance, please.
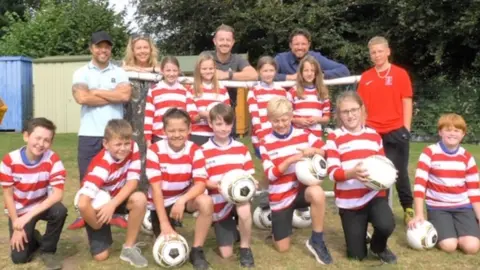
(100, 36)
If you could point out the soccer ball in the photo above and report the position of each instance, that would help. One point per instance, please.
(147, 223)
(381, 172)
(262, 218)
(301, 219)
(311, 171)
(237, 186)
(102, 198)
(170, 250)
(423, 236)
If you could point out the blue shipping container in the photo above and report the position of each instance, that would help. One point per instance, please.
(16, 89)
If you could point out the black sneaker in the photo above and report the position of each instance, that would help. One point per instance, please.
(319, 251)
(51, 261)
(197, 258)
(386, 256)
(246, 258)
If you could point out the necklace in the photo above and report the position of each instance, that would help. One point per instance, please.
(386, 74)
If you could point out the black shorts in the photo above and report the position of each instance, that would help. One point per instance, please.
(156, 223)
(454, 223)
(101, 239)
(199, 140)
(282, 219)
(226, 232)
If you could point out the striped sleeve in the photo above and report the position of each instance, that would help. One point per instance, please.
(134, 169)
(191, 108)
(315, 141)
(57, 172)
(248, 163)
(422, 172)
(149, 113)
(95, 178)
(253, 110)
(334, 166)
(225, 96)
(271, 171)
(152, 165)
(472, 180)
(199, 173)
(6, 177)
(325, 107)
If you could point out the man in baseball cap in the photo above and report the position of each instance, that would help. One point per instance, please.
(100, 36)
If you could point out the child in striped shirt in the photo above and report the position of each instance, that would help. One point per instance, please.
(206, 92)
(347, 146)
(166, 94)
(116, 170)
(223, 154)
(311, 105)
(447, 180)
(175, 168)
(280, 150)
(26, 175)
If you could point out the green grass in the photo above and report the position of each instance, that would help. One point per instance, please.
(73, 245)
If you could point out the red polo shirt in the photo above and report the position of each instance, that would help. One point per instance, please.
(382, 95)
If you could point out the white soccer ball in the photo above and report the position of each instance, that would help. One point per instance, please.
(102, 198)
(170, 250)
(237, 186)
(301, 219)
(147, 223)
(381, 172)
(262, 218)
(423, 236)
(311, 171)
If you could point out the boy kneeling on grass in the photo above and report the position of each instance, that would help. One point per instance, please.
(116, 170)
(447, 176)
(280, 150)
(26, 175)
(223, 154)
(175, 168)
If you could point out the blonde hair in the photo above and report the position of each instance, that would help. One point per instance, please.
(377, 40)
(226, 28)
(129, 58)
(197, 77)
(452, 120)
(322, 90)
(351, 96)
(118, 129)
(279, 106)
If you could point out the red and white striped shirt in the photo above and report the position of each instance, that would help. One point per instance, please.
(175, 171)
(257, 100)
(220, 160)
(283, 188)
(160, 98)
(109, 174)
(30, 182)
(446, 180)
(208, 97)
(344, 151)
(309, 106)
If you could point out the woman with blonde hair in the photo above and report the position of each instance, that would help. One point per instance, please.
(141, 55)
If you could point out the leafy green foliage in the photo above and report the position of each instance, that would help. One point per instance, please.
(62, 28)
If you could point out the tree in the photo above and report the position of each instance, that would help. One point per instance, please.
(14, 6)
(62, 28)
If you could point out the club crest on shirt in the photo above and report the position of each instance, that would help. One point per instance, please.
(113, 80)
(17, 178)
(210, 161)
(388, 80)
(163, 168)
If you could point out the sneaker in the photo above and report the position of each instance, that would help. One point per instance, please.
(51, 261)
(386, 256)
(319, 251)
(77, 224)
(119, 221)
(246, 258)
(408, 215)
(177, 223)
(197, 258)
(133, 255)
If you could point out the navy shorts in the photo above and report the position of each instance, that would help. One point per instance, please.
(88, 148)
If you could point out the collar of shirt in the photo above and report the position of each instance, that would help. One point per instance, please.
(218, 60)
(93, 66)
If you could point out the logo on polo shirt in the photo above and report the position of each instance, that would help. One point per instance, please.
(388, 80)
(113, 80)
(211, 161)
(17, 178)
(163, 168)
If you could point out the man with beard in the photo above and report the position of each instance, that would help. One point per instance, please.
(101, 88)
(300, 41)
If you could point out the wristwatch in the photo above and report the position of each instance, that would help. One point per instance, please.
(230, 74)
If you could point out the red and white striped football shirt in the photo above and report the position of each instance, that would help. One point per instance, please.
(257, 100)
(309, 106)
(109, 174)
(209, 96)
(220, 160)
(175, 171)
(446, 180)
(160, 98)
(30, 182)
(344, 151)
(283, 188)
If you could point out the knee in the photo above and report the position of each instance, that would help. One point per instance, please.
(385, 228)
(315, 194)
(20, 257)
(226, 252)
(282, 245)
(138, 200)
(59, 211)
(102, 256)
(469, 245)
(448, 245)
(204, 204)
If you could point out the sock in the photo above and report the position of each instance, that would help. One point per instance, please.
(317, 237)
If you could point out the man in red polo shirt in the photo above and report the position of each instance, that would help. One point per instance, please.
(386, 91)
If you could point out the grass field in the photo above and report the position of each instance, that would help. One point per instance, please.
(73, 245)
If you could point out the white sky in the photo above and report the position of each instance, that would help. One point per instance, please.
(120, 5)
